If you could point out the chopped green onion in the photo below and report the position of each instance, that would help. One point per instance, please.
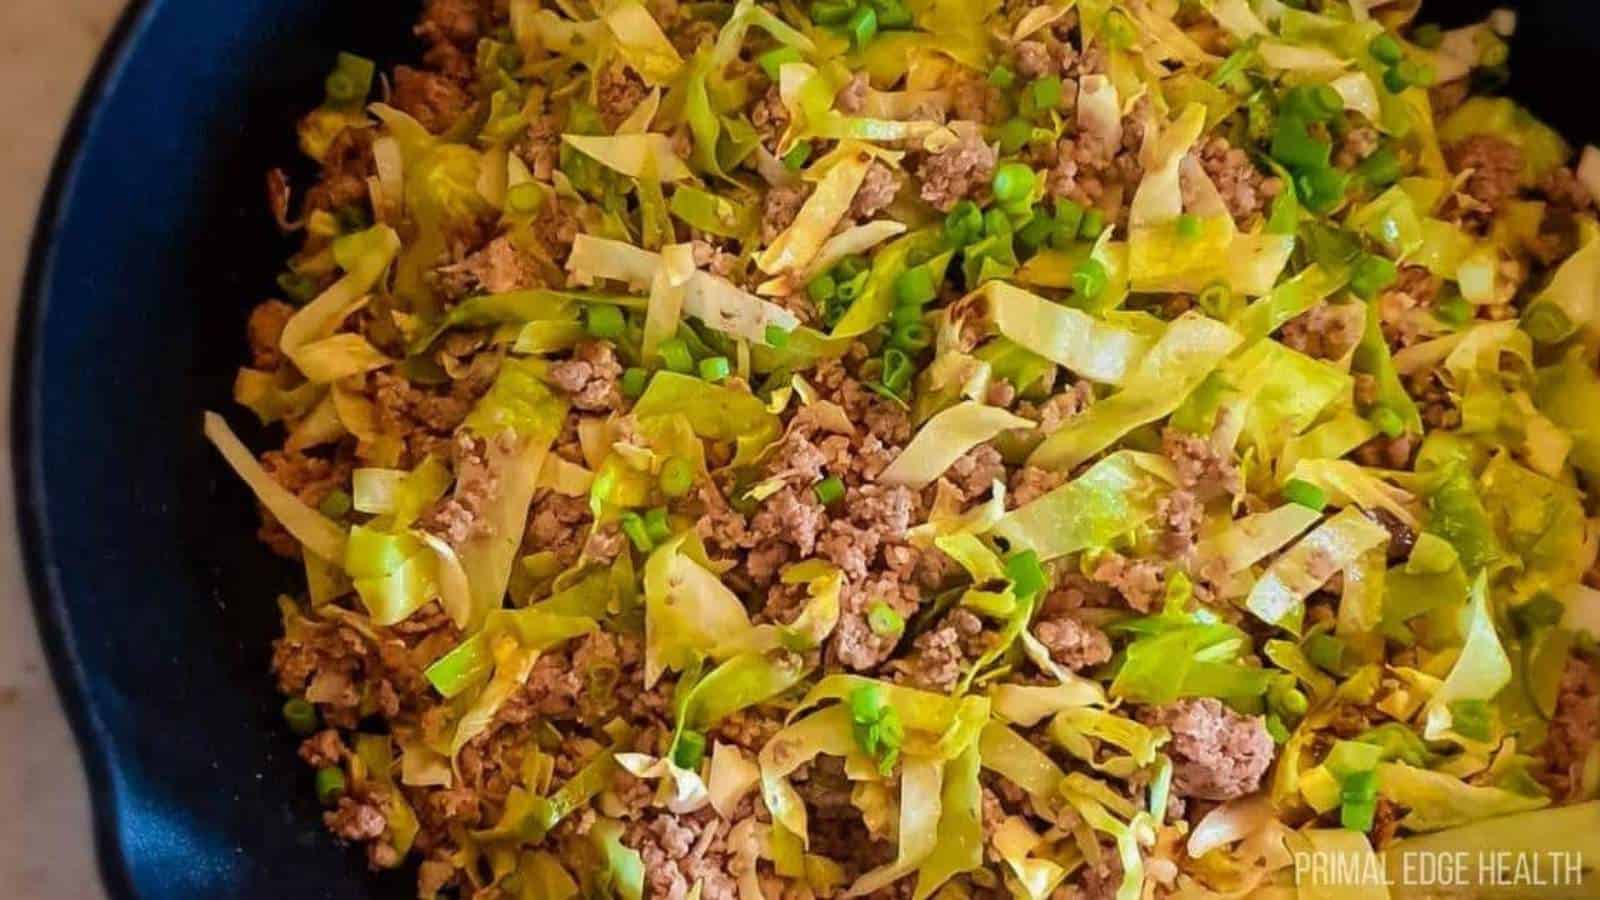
(1381, 169)
(822, 288)
(776, 337)
(849, 267)
(797, 156)
(831, 12)
(1290, 702)
(1472, 719)
(1014, 135)
(633, 526)
(1388, 422)
(330, 785)
(773, 60)
(1094, 222)
(1013, 183)
(297, 288)
(1039, 231)
(1028, 578)
(1322, 190)
(715, 368)
(911, 336)
(1089, 279)
(301, 716)
(1541, 610)
(915, 287)
(1385, 49)
(675, 353)
(1002, 77)
(1372, 275)
(829, 490)
(963, 224)
(1188, 225)
(1045, 93)
(1070, 215)
(884, 621)
(862, 27)
(1276, 729)
(677, 477)
(603, 321)
(633, 381)
(1305, 494)
(1454, 311)
(336, 505)
(1358, 800)
(690, 750)
(892, 13)
(897, 369)
(1326, 651)
(524, 199)
(851, 289)
(1295, 147)
(656, 525)
(996, 223)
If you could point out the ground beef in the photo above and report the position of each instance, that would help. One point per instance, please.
(1201, 467)
(558, 524)
(779, 208)
(323, 749)
(958, 172)
(618, 90)
(974, 99)
(425, 416)
(1037, 59)
(1072, 642)
(1083, 168)
(1574, 728)
(876, 192)
(976, 471)
(310, 478)
(461, 517)
(1060, 408)
(1496, 166)
(941, 654)
(540, 147)
(452, 29)
(1140, 582)
(1179, 513)
(499, 267)
(356, 820)
(1245, 189)
(1357, 144)
(433, 100)
(1216, 753)
(1415, 289)
(265, 331)
(1029, 483)
(589, 378)
(345, 168)
(852, 98)
(1322, 332)
(770, 118)
(680, 851)
(853, 643)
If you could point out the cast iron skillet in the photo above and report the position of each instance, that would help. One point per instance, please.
(153, 597)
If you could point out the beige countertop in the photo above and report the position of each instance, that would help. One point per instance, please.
(46, 852)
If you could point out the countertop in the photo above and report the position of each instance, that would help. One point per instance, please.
(46, 852)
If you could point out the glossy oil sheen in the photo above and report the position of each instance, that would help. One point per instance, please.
(155, 600)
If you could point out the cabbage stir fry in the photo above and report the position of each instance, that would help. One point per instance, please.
(913, 448)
